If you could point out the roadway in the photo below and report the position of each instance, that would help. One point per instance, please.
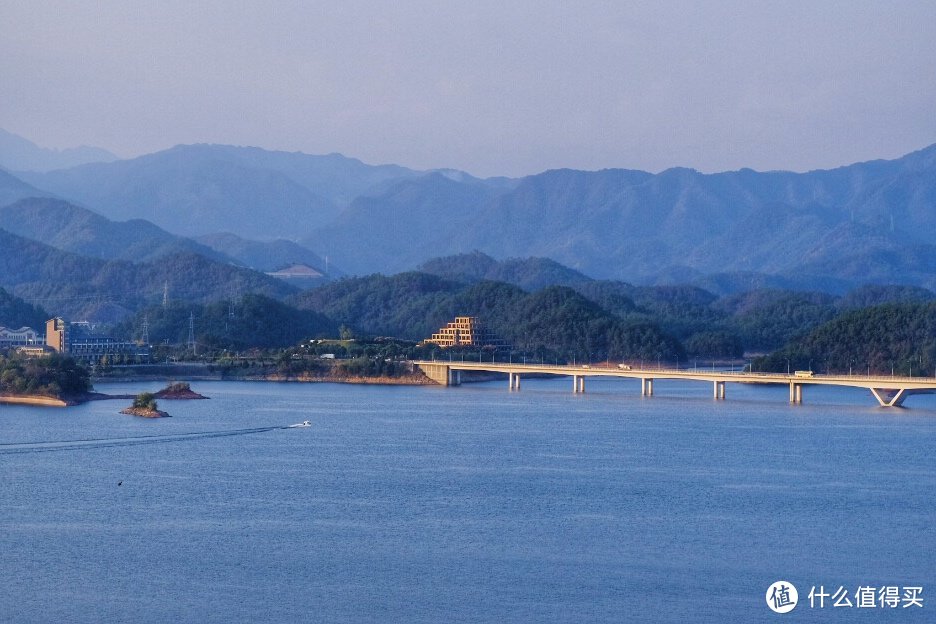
(889, 390)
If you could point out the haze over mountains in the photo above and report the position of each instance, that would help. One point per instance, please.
(865, 222)
(830, 229)
(21, 154)
(195, 190)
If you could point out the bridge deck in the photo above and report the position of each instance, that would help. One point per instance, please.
(890, 391)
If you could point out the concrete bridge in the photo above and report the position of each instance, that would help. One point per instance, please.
(889, 391)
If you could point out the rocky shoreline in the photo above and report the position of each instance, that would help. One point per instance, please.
(144, 413)
(179, 391)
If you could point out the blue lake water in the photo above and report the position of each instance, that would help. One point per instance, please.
(468, 504)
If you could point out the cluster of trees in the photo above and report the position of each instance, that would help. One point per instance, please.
(384, 357)
(53, 376)
(898, 338)
(234, 325)
(370, 367)
(145, 401)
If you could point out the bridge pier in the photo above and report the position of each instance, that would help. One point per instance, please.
(719, 389)
(646, 386)
(439, 373)
(888, 397)
(796, 393)
(578, 384)
(514, 380)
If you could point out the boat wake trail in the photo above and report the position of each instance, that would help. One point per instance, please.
(10, 448)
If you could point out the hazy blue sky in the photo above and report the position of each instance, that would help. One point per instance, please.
(506, 87)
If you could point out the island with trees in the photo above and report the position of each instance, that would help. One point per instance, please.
(49, 380)
(145, 406)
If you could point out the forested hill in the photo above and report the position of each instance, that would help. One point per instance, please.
(414, 305)
(237, 324)
(555, 321)
(80, 287)
(527, 273)
(898, 338)
(16, 313)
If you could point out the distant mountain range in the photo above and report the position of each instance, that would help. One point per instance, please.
(13, 189)
(24, 155)
(193, 190)
(265, 256)
(869, 222)
(78, 230)
(830, 230)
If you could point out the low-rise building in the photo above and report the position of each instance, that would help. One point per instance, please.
(79, 341)
(22, 337)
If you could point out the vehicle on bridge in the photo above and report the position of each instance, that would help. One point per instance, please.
(808, 373)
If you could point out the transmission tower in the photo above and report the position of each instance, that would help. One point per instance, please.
(166, 294)
(146, 329)
(191, 332)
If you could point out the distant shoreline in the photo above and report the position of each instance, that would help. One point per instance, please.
(207, 372)
(383, 381)
(199, 372)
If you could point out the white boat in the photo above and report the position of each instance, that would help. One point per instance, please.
(304, 423)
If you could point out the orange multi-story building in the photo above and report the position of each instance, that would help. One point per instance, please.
(466, 331)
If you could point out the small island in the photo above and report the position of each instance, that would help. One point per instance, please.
(145, 406)
(178, 391)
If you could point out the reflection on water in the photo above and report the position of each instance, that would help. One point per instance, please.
(476, 504)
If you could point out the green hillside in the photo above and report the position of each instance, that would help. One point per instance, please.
(81, 287)
(16, 313)
(898, 338)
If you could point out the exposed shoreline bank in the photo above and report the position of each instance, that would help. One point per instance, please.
(28, 399)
